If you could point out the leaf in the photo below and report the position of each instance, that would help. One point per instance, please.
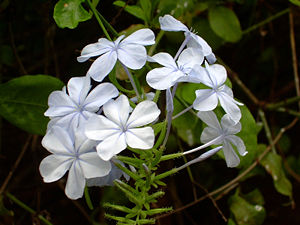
(255, 197)
(246, 213)
(295, 2)
(68, 13)
(273, 165)
(146, 7)
(225, 23)
(23, 101)
(132, 9)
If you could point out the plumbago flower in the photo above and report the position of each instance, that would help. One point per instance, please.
(118, 129)
(172, 72)
(73, 152)
(223, 134)
(129, 51)
(75, 107)
(214, 77)
(169, 23)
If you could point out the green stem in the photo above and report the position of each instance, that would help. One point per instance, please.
(94, 10)
(171, 156)
(27, 208)
(289, 111)
(158, 38)
(87, 198)
(255, 26)
(285, 102)
(107, 24)
(267, 129)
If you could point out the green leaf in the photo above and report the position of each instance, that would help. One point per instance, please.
(23, 101)
(295, 2)
(273, 164)
(255, 197)
(246, 213)
(146, 7)
(132, 9)
(68, 13)
(225, 23)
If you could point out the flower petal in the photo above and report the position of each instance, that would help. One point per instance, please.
(141, 138)
(102, 46)
(78, 88)
(58, 141)
(163, 78)
(60, 104)
(206, 100)
(169, 23)
(229, 106)
(102, 66)
(164, 59)
(99, 96)
(189, 57)
(198, 42)
(92, 166)
(53, 167)
(208, 134)
(118, 110)
(238, 142)
(210, 119)
(132, 56)
(75, 183)
(217, 74)
(99, 128)
(229, 125)
(144, 113)
(111, 146)
(232, 159)
(140, 37)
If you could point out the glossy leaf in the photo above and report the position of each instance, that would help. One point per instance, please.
(68, 13)
(132, 9)
(273, 164)
(225, 23)
(24, 100)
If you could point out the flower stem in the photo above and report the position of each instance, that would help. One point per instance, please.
(94, 10)
(267, 129)
(27, 208)
(212, 142)
(285, 102)
(158, 38)
(184, 43)
(107, 24)
(182, 112)
(131, 81)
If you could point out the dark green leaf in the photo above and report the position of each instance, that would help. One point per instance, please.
(23, 101)
(146, 7)
(295, 2)
(273, 164)
(246, 213)
(132, 9)
(68, 13)
(225, 23)
(255, 197)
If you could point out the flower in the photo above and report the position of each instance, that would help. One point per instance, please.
(74, 153)
(172, 72)
(118, 129)
(74, 108)
(169, 23)
(214, 77)
(226, 131)
(129, 51)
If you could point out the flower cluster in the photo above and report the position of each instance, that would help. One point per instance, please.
(89, 126)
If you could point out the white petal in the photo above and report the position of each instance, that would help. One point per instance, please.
(118, 110)
(132, 56)
(189, 57)
(78, 88)
(99, 96)
(75, 183)
(83, 144)
(238, 142)
(111, 146)
(58, 141)
(99, 128)
(102, 66)
(198, 42)
(217, 74)
(229, 106)
(92, 166)
(192, 77)
(141, 138)
(102, 46)
(232, 159)
(228, 91)
(169, 23)
(144, 113)
(210, 119)
(208, 134)
(229, 125)
(164, 59)
(211, 58)
(60, 104)
(140, 37)
(206, 100)
(53, 167)
(163, 78)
